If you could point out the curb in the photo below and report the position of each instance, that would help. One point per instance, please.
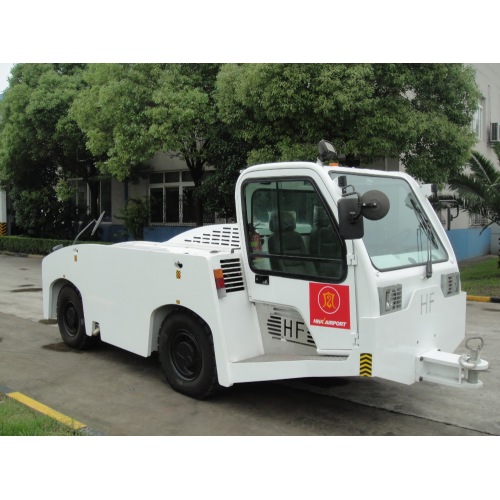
(49, 412)
(22, 255)
(476, 298)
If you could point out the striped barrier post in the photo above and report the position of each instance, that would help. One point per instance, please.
(3, 213)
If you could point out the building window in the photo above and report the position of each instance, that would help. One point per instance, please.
(172, 199)
(81, 199)
(477, 120)
(476, 220)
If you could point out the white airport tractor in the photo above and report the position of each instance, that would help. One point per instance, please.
(329, 272)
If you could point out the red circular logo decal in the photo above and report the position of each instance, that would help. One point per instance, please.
(329, 300)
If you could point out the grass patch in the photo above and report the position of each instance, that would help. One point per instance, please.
(18, 420)
(482, 279)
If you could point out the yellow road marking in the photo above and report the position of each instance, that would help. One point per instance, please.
(476, 298)
(46, 410)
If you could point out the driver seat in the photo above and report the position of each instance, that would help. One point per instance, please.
(291, 244)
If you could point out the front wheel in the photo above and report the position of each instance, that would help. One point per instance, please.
(71, 320)
(187, 357)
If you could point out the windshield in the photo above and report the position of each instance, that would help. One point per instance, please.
(400, 239)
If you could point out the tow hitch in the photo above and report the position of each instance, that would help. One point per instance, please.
(452, 369)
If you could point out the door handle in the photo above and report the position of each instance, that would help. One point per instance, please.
(261, 280)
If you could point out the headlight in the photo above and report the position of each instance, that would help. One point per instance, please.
(450, 284)
(390, 298)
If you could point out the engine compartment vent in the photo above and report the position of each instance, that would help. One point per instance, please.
(223, 236)
(233, 275)
(288, 325)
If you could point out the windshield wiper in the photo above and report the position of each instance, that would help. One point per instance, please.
(427, 227)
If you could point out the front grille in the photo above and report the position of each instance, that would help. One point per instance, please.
(450, 284)
(233, 275)
(391, 299)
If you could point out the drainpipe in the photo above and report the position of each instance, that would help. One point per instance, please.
(3, 213)
(489, 109)
(126, 194)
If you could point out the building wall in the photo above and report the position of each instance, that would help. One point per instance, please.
(162, 162)
(470, 243)
(495, 239)
(488, 80)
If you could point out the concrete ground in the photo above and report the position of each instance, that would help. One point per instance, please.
(120, 393)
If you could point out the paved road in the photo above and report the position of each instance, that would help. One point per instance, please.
(18, 273)
(120, 393)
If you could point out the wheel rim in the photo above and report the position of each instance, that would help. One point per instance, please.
(71, 318)
(185, 355)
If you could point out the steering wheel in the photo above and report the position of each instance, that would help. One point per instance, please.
(396, 241)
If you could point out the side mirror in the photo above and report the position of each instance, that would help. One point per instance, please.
(350, 226)
(374, 205)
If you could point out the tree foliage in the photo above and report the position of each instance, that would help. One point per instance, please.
(136, 216)
(130, 112)
(420, 113)
(41, 144)
(479, 191)
(41, 214)
(229, 155)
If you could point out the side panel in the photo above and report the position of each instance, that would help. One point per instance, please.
(121, 287)
(240, 325)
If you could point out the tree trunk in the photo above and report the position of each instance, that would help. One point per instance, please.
(199, 212)
(94, 195)
(196, 169)
(94, 208)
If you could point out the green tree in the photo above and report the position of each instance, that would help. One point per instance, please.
(41, 214)
(136, 216)
(479, 191)
(40, 143)
(130, 112)
(229, 154)
(420, 113)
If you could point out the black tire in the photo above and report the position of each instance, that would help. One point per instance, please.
(71, 319)
(187, 357)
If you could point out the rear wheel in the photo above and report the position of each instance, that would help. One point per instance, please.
(187, 357)
(71, 320)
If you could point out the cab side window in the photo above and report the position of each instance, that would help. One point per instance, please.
(290, 231)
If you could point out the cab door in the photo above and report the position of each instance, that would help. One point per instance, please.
(295, 259)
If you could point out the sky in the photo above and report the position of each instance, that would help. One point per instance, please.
(4, 74)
